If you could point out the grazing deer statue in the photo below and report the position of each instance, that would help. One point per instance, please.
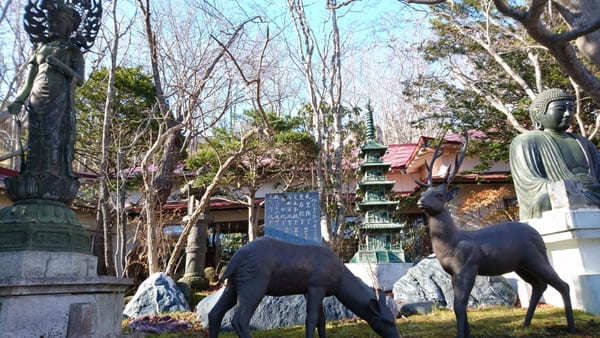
(494, 250)
(268, 266)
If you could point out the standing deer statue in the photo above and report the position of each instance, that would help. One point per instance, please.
(494, 250)
(268, 266)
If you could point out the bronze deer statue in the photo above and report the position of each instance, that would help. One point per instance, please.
(268, 266)
(491, 251)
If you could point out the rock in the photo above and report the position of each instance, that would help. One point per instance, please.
(222, 272)
(420, 308)
(186, 290)
(210, 274)
(157, 294)
(274, 312)
(391, 304)
(427, 281)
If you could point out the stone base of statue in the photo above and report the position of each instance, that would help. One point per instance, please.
(58, 294)
(48, 281)
(572, 238)
(381, 276)
(41, 225)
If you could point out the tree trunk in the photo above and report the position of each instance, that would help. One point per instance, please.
(252, 215)
(98, 245)
(121, 220)
(581, 13)
(151, 242)
(336, 107)
(195, 215)
(104, 197)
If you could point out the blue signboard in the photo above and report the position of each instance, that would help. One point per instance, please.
(293, 217)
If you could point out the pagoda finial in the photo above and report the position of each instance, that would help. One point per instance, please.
(370, 124)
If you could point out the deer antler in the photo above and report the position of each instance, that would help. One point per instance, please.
(436, 154)
(458, 160)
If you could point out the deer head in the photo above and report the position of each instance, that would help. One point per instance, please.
(433, 200)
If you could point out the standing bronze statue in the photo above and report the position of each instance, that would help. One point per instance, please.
(61, 31)
(550, 154)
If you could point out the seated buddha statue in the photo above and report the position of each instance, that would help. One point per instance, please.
(550, 154)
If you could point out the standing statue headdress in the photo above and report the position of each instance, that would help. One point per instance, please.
(85, 16)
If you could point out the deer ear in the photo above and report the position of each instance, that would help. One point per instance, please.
(452, 193)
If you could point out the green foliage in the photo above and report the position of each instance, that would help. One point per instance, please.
(230, 244)
(290, 149)
(134, 96)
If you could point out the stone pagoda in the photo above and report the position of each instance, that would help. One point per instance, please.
(382, 236)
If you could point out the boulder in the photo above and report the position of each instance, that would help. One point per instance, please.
(274, 312)
(428, 282)
(210, 274)
(157, 294)
(420, 308)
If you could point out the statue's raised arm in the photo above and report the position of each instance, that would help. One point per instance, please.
(550, 154)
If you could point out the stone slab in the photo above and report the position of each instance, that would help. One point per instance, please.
(379, 276)
(293, 217)
(572, 239)
(567, 194)
(46, 264)
(46, 307)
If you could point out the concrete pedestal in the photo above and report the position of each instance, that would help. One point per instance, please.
(57, 294)
(572, 239)
(379, 276)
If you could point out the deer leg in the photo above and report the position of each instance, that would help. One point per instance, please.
(248, 296)
(546, 273)
(321, 323)
(314, 310)
(215, 316)
(462, 283)
(538, 288)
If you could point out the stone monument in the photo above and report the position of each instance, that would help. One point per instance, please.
(379, 260)
(48, 281)
(294, 217)
(556, 177)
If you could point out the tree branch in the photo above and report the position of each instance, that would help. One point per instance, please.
(193, 219)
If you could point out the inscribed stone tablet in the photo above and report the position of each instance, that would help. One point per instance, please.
(293, 217)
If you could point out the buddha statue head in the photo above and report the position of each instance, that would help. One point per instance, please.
(552, 110)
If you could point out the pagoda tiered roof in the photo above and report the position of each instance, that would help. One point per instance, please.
(377, 182)
(369, 165)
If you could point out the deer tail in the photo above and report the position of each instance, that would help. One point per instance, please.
(229, 270)
(539, 244)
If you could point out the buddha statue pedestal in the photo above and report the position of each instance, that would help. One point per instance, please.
(571, 231)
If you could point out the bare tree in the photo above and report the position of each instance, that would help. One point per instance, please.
(325, 96)
(191, 68)
(200, 208)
